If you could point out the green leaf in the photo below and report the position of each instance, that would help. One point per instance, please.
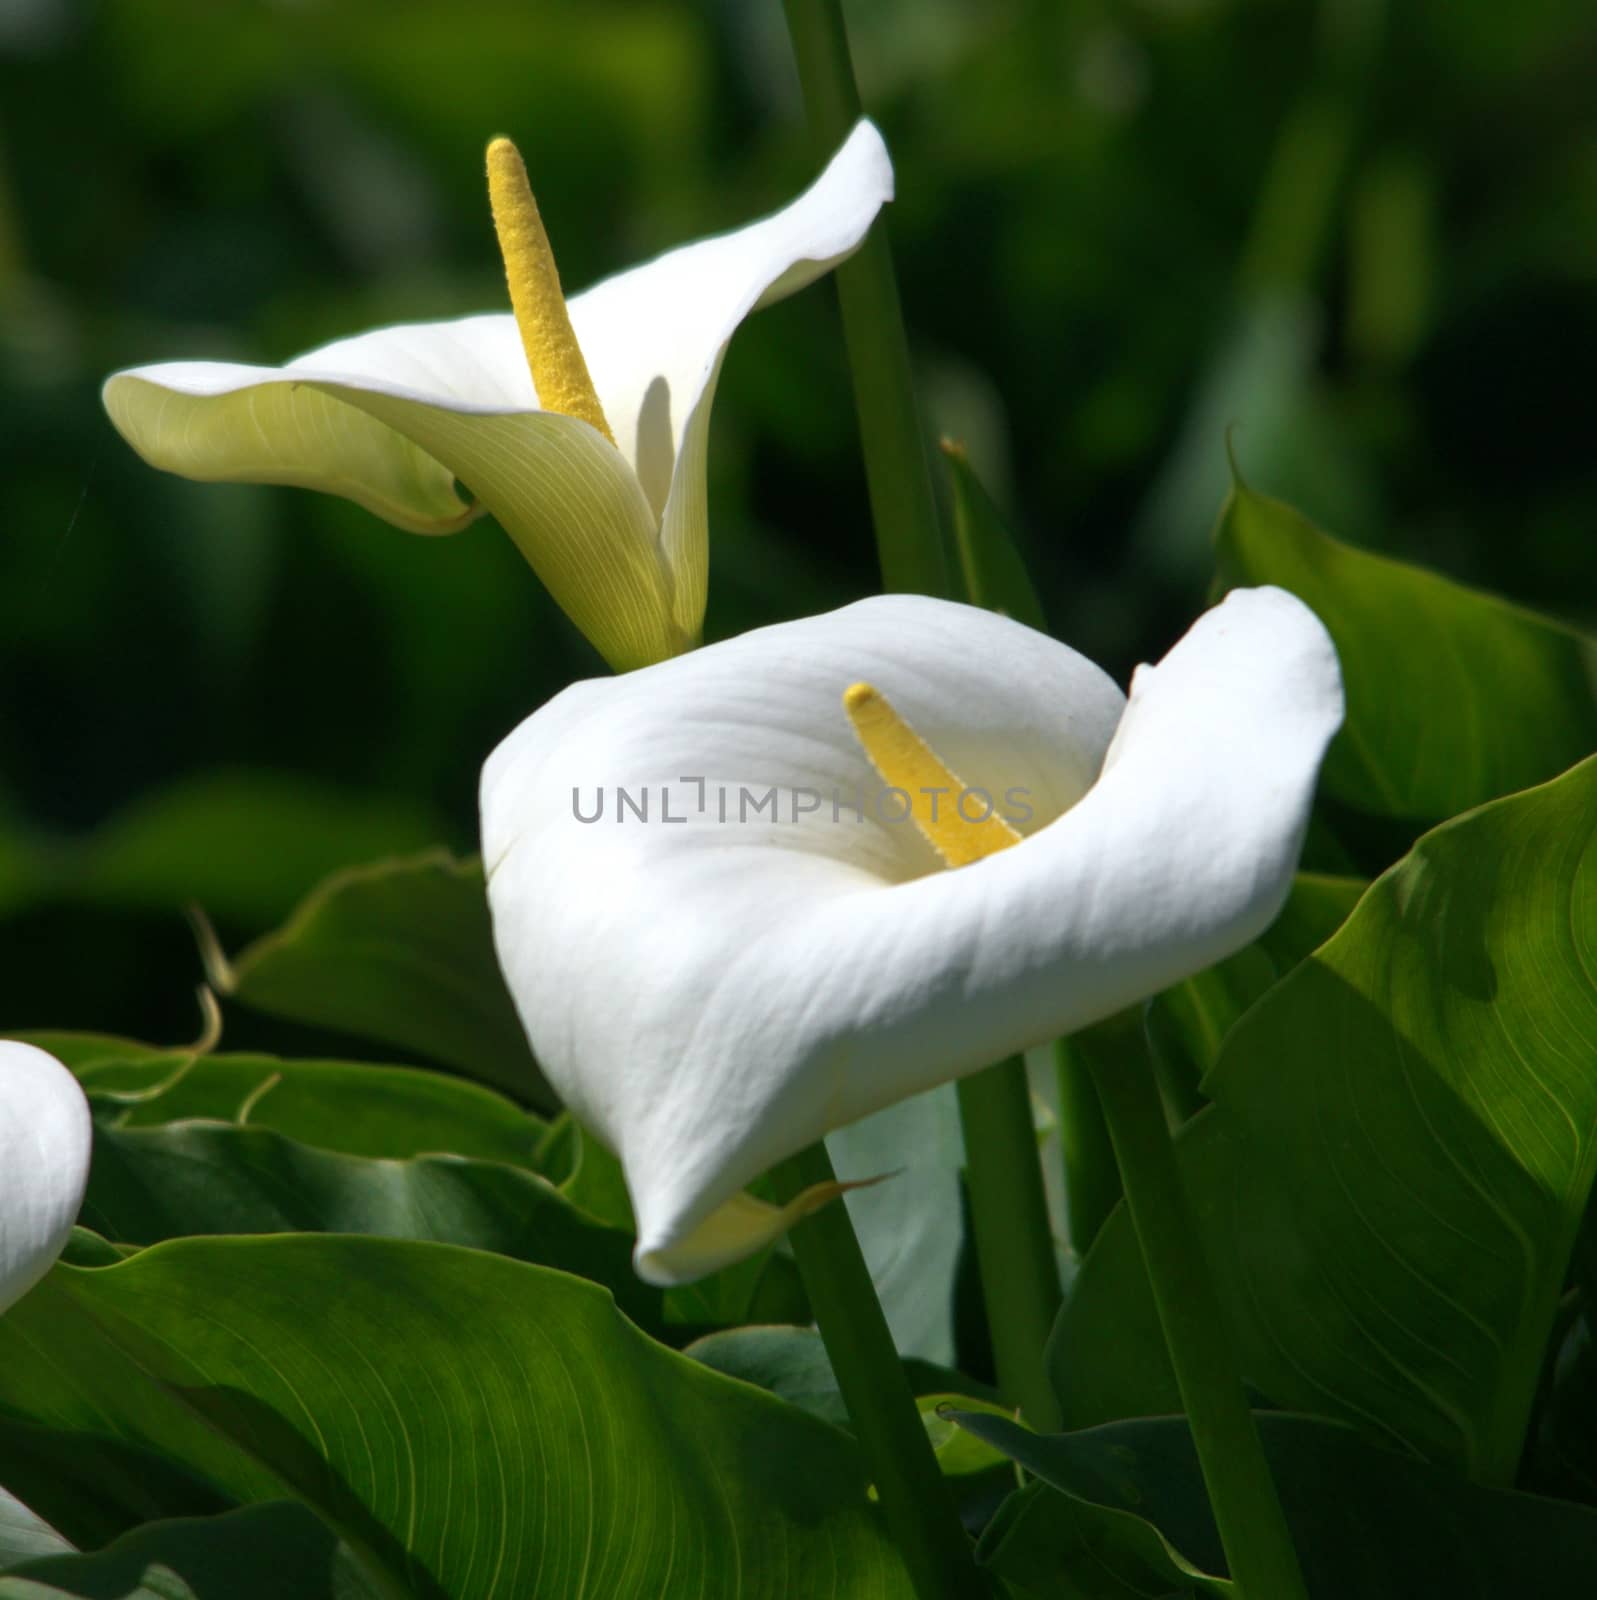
(1400, 1150)
(1453, 697)
(911, 1228)
(991, 571)
(242, 844)
(1366, 1522)
(469, 1425)
(353, 1107)
(1319, 903)
(1192, 1019)
(24, 1534)
(402, 953)
(961, 1453)
(93, 1489)
(590, 1177)
(150, 1184)
(792, 1362)
(81, 1050)
(1047, 1545)
(594, 1179)
(734, 1294)
(85, 1248)
(264, 1552)
(789, 1362)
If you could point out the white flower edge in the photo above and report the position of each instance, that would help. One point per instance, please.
(711, 997)
(393, 418)
(45, 1139)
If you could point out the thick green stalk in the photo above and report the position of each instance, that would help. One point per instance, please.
(1014, 1243)
(1253, 1530)
(1092, 1179)
(915, 1498)
(909, 540)
(1021, 1284)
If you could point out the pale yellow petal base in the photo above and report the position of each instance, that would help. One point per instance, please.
(733, 1231)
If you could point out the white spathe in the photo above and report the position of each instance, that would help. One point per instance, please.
(393, 418)
(45, 1138)
(711, 996)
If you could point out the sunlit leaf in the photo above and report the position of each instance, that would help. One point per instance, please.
(1399, 1154)
(150, 1184)
(464, 1422)
(991, 571)
(400, 952)
(1453, 696)
(359, 1108)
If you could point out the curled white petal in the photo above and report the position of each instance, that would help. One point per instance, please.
(712, 993)
(44, 1164)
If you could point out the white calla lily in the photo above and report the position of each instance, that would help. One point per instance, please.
(45, 1138)
(714, 988)
(392, 419)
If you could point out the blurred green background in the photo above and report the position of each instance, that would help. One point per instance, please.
(1364, 233)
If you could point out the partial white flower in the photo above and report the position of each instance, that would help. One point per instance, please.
(44, 1164)
(715, 987)
(616, 526)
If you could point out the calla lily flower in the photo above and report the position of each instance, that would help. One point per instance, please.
(581, 426)
(716, 984)
(44, 1164)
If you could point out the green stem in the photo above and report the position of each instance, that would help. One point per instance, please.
(1014, 1242)
(909, 540)
(915, 1497)
(1092, 1180)
(1253, 1530)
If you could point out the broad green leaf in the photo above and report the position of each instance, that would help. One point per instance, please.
(150, 1184)
(1366, 1522)
(792, 1362)
(1049, 1546)
(912, 1226)
(264, 1552)
(24, 1534)
(402, 953)
(1319, 903)
(245, 845)
(991, 571)
(754, 1289)
(789, 1362)
(1183, 1028)
(85, 1248)
(1453, 697)
(93, 1489)
(1193, 1018)
(467, 1424)
(961, 1453)
(81, 1050)
(353, 1107)
(1399, 1154)
(594, 1179)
